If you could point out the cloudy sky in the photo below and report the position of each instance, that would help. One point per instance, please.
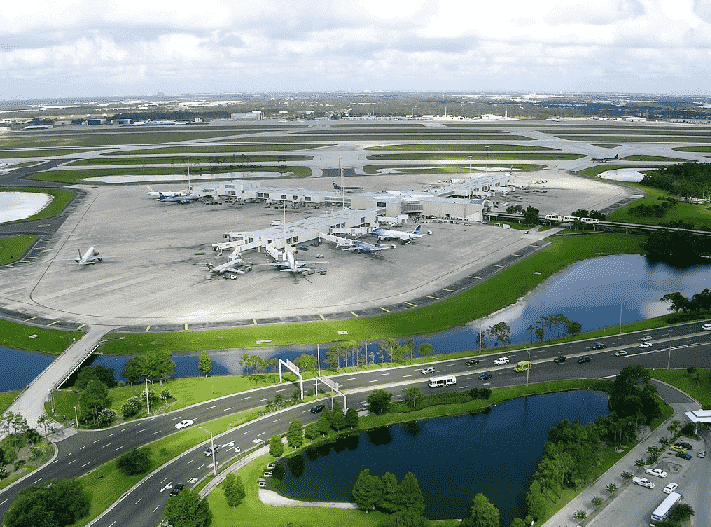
(89, 48)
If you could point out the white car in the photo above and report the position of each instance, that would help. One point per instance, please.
(670, 488)
(184, 423)
(644, 482)
(620, 353)
(425, 371)
(656, 472)
(702, 453)
(644, 339)
(501, 360)
(645, 345)
(706, 327)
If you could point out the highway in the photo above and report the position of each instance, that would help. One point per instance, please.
(85, 451)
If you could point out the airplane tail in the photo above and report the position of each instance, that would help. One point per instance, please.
(417, 230)
(617, 156)
(336, 186)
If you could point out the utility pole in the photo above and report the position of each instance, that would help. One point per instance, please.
(212, 447)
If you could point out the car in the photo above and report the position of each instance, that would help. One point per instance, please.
(683, 455)
(485, 376)
(620, 353)
(683, 444)
(598, 346)
(176, 489)
(501, 360)
(706, 327)
(271, 466)
(677, 449)
(583, 360)
(425, 371)
(645, 345)
(646, 338)
(184, 424)
(644, 482)
(560, 360)
(702, 453)
(208, 450)
(670, 488)
(656, 472)
(318, 408)
(472, 362)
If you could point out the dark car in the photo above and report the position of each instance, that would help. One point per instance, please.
(682, 444)
(318, 408)
(485, 376)
(472, 362)
(683, 455)
(560, 360)
(176, 489)
(598, 346)
(583, 360)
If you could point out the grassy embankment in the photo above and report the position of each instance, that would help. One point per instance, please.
(60, 199)
(697, 384)
(478, 156)
(446, 169)
(497, 292)
(20, 337)
(13, 247)
(76, 176)
(6, 399)
(606, 145)
(702, 149)
(194, 161)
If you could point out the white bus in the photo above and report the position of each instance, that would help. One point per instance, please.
(553, 217)
(661, 512)
(444, 380)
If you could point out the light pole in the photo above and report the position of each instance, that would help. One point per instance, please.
(528, 368)
(148, 404)
(76, 417)
(212, 447)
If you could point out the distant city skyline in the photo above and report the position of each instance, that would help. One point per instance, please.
(84, 48)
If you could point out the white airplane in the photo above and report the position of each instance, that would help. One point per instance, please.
(182, 199)
(152, 193)
(90, 257)
(367, 248)
(387, 234)
(236, 266)
(346, 188)
(290, 265)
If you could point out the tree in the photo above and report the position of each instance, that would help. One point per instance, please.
(404, 519)
(501, 331)
(93, 400)
(484, 514)
(311, 431)
(627, 475)
(234, 490)
(379, 401)
(135, 461)
(426, 349)
(158, 365)
(276, 447)
(530, 216)
(413, 394)
(131, 407)
(132, 372)
(580, 514)
(682, 512)
(205, 363)
(99, 373)
(611, 488)
(389, 501)
(597, 501)
(352, 418)
(338, 418)
(367, 490)
(409, 496)
(305, 362)
(574, 328)
(188, 510)
(295, 434)
(58, 504)
(535, 501)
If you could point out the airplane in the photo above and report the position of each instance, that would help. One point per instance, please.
(347, 189)
(387, 234)
(183, 200)
(604, 159)
(367, 248)
(290, 265)
(90, 257)
(235, 266)
(152, 193)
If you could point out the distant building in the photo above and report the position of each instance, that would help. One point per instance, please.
(256, 115)
(95, 122)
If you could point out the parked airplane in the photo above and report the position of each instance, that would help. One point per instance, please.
(367, 248)
(347, 189)
(236, 266)
(387, 234)
(294, 266)
(183, 200)
(604, 159)
(152, 193)
(90, 257)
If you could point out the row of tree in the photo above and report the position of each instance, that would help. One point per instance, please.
(698, 303)
(682, 179)
(676, 246)
(154, 365)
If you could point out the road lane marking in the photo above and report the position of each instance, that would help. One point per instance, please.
(409, 375)
(141, 430)
(247, 397)
(153, 511)
(262, 400)
(351, 379)
(190, 461)
(229, 408)
(282, 390)
(139, 499)
(385, 374)
(374, 380)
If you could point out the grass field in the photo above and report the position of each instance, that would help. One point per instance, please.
(54, 341)
(698, 384)
(706, 138)
(13, 247)
(702, 149)
(39, 153)
(193, 160)
(599, 169)
(61, 199)
(6, 399)
(499, 291)
(494, 156)
(447, 169)
(652, 158)
(606, 145)
(76, 176)
(457, 147)
(215, 149)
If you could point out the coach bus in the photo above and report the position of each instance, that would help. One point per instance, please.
(662, 512)
(444, 380)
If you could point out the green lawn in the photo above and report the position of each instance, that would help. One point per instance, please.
(446, 169)
(700, 148)
(652, 158)
(636, 139)
(697, 385)
(193, 160)
(456, 147)
(599, 169)
(12, 248)
(64, 403)
(6, 399)
(494, 156)
(217, 149)
(39, 153)
(501, 290)
(54, 341)
(61, 199)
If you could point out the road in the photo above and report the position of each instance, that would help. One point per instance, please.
(85, 451)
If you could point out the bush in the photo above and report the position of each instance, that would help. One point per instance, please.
(234, 490)
(580, 515)
(276, 447)
(135, 461)
(165, 394)
(131, 407)
(105, 417)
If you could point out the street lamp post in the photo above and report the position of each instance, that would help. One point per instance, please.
(212, 446)
(76, 417)
(148, 404)
(528, 368)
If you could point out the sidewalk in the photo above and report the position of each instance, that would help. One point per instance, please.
(564, 517)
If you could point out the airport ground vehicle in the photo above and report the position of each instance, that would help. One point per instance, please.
(444, 380)
(662, 511)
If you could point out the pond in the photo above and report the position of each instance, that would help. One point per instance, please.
(19, 368)
(454, 458)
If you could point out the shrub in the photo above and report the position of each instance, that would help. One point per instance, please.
(276, 447)
(165, 394)
(131, 407)
(135, 461)
(105, 417)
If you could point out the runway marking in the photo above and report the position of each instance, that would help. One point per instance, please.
(386, 310)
